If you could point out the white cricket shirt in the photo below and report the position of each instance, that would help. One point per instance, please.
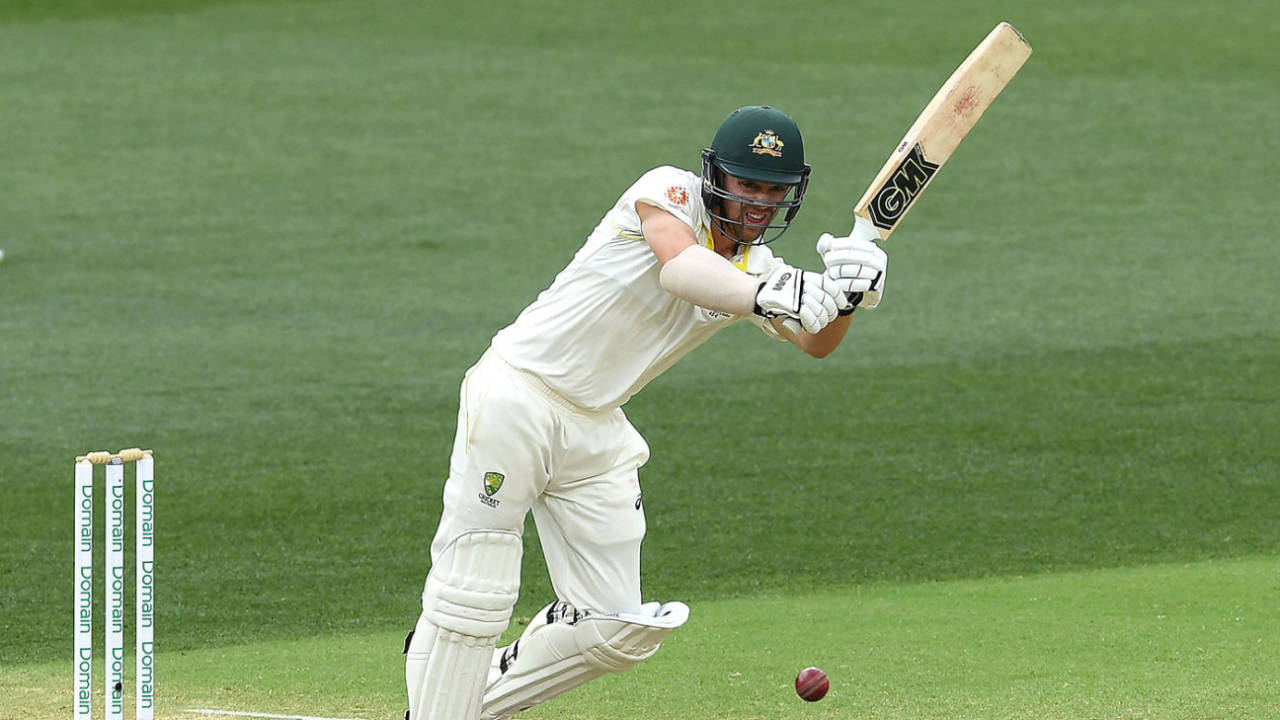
(606, 327)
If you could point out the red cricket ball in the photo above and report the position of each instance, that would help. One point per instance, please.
(812, 684)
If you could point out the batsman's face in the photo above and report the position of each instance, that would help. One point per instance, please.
(754, 218)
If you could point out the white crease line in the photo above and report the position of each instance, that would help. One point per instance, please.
(239, 713)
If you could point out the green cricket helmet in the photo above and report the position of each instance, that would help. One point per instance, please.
(759, 143)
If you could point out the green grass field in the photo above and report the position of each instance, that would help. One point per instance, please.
(1193, 639)
(267, 238)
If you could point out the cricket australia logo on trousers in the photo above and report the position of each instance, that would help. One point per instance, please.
(492, 483)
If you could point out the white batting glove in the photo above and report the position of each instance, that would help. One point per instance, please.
(811, 298)
(857, 264)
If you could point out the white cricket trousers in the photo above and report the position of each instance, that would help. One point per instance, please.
(521, 447)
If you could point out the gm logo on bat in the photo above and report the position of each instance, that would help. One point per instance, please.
(901, 188)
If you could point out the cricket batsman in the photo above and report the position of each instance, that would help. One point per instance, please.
(679, 257)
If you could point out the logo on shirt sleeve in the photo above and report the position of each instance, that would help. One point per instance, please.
(678, 195)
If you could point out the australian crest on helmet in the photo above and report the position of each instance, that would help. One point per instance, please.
(767, 143)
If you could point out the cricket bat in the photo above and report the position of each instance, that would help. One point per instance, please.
(945, 121)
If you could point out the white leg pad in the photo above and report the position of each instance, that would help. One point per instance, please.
(466, 605)
(563, 648)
